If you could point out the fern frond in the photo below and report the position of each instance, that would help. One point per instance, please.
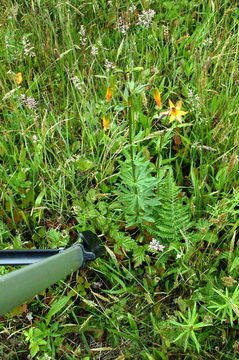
(146, 199)
(173, 215)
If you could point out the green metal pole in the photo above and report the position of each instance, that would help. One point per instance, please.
(18, 286)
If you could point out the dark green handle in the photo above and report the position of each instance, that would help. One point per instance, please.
(18, 286)
(47, 267)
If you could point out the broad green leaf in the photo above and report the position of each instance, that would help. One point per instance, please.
(235, 264)
(56, 307)
(84, 164)
(39, 198)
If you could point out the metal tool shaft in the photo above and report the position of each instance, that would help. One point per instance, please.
(18, 286)
(25, 257)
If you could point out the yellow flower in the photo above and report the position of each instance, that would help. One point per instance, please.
(109, 93)
(157, 98)
(175, 111)
(19, 78)
(106, 122)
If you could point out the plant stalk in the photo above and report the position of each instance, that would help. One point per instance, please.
(131, 119)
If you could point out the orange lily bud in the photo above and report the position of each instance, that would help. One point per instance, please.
(19, 78)
(109, 93)
(157, 97)
(106, 122)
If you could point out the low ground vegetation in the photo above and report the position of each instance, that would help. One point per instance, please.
(122, 118)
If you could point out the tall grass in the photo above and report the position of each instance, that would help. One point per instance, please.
(167, 286)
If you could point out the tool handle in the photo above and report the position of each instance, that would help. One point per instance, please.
(19, 285)
(25, 257)
(30, 256)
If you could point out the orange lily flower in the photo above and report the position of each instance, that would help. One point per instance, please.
(157, 98)
(175, 111)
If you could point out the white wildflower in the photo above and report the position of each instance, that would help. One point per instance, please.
(94, 50)
(47, 357)
(80, 85)
(207, 42)
(109, 65)
(146, 17)
(29, 102)
(156, 246)
(122, 26)
(132, 8)
(179, 256)
(35, 139)
(72, 159)
(28, 49)
(161, 248)
(194, 100)
(29, 316)
(82, 32)
(77, 83)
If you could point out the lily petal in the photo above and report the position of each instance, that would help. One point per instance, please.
(179, 119)
(157, 97)
(171, 118)
(182, 112)
(171, 104)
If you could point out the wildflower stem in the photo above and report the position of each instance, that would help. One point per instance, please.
(131, 119)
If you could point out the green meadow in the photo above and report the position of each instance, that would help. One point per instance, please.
(121, 117)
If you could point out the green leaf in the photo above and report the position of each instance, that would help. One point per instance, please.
(56, 307)
(84, 164)
(235, 264)
(39, 198)
(119, 49)
(133, 324)
(34, 348)
(138, 255)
